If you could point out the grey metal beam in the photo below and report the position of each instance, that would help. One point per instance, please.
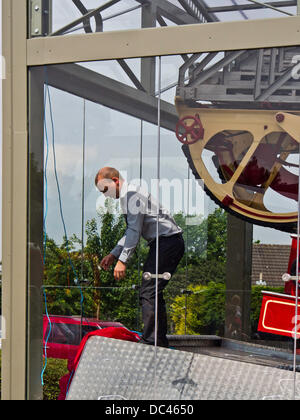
(35, 232)
(206, 74)
(233, 8)
(148, 70)
(259, 65)
(198, 9)
(131, 74)
(100, 89)
(238, 275)
(39, 18)
(265, 5)
(84, 11)
(172, 12)
(161, 21)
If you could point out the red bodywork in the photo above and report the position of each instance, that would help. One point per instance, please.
(290, 286)
(64, 334)
(277, 315)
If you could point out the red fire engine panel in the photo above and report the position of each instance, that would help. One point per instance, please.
(278, 315)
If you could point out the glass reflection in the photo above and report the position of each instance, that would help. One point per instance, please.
(230, 124)
(248, 166)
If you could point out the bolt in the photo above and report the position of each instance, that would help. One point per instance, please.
(36, 8)
(279, 118)
(36, 31)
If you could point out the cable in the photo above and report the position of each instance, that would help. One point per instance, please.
(76, 281)
(241, 11)
(297, 289)
(186, 255)
(82, 201)
(45, 236)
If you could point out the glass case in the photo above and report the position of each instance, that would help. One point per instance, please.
(219, 151)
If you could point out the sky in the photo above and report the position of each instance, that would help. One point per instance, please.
(113, 138)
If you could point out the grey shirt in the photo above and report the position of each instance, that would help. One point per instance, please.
(140, 210)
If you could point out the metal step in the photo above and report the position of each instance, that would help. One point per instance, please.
(193, 342)
(111, 369)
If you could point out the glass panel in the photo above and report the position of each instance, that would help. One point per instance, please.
(237, 10)
(223, 145)
(78, 226)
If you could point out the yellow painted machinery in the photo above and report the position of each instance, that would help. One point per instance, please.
(247, 158)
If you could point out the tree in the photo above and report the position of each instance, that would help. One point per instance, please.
(103, 297)
(206, 240)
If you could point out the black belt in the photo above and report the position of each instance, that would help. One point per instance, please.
(176, 235)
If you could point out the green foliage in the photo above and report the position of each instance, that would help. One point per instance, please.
(206, 240)
(104, 298)
(217, 236)
(202, 311)
(256, 301)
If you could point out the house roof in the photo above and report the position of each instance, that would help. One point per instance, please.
(270, 260)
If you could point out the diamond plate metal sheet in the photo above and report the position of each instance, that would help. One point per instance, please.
(111, 369)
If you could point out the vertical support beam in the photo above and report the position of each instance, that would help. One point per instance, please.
(35, 232)
(14, 199)
(39, 18)
(238, 278)
(148, 64)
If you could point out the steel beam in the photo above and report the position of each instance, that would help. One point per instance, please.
(131, 74)
(238, 276)
(245, 7)
(39, 17)
(14, 200)
(84, 18)
(148, 72)
(100, 89)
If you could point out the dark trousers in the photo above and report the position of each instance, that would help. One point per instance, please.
(171, 250)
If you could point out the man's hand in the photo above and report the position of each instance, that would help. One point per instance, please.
(107, 261)
(120, 270)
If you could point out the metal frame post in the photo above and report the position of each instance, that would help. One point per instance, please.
(14, 200)
(148, 64)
